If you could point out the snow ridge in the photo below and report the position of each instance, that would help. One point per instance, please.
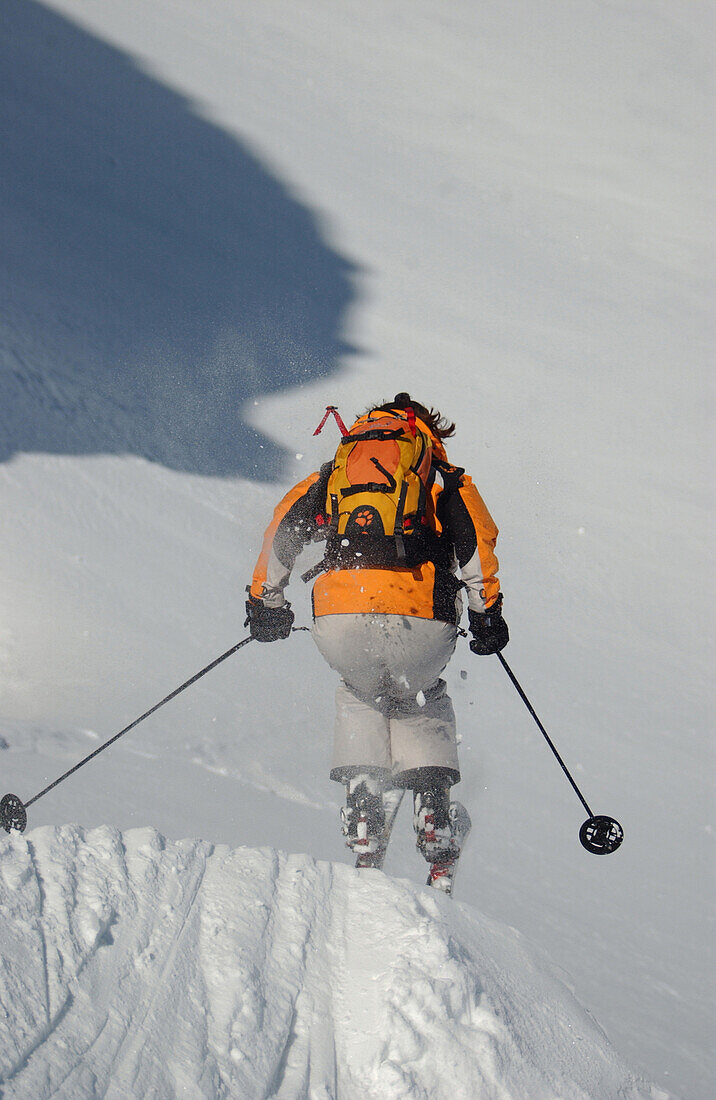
(136, 967)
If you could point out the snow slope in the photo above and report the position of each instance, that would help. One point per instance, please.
(133, 967)
(220, 216)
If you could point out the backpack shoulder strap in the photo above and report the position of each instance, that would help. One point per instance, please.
(450, 474)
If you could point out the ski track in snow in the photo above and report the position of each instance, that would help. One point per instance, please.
(135, 967)
(72, 744)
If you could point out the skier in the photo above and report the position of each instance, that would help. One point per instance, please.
(399, 522)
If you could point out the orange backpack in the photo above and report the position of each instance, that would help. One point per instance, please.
(379, 510)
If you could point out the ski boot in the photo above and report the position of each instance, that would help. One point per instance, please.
(431, 820)
(391, 804)
(441, 827)
(363, 819)
(442, 872)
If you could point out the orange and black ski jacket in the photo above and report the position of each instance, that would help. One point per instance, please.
(467, 537)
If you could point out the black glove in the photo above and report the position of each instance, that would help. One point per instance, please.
(489, 630)
(268, 624)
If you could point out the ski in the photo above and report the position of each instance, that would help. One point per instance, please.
(391, 803)
(442, 874)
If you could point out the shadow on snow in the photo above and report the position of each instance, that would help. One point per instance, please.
(157, 278)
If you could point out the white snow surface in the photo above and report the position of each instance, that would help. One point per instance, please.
(217, 217)
(134, 967)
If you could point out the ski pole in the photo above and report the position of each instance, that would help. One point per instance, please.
(13, 811)
(599, 834)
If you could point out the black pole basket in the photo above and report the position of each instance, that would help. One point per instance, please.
(601, 835)
(12, 813)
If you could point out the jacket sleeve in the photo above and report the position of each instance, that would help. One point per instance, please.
(292, 526)
(474, 535)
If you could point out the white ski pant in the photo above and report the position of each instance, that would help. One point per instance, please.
(393, 715)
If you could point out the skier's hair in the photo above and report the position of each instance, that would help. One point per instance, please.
(439, 425)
